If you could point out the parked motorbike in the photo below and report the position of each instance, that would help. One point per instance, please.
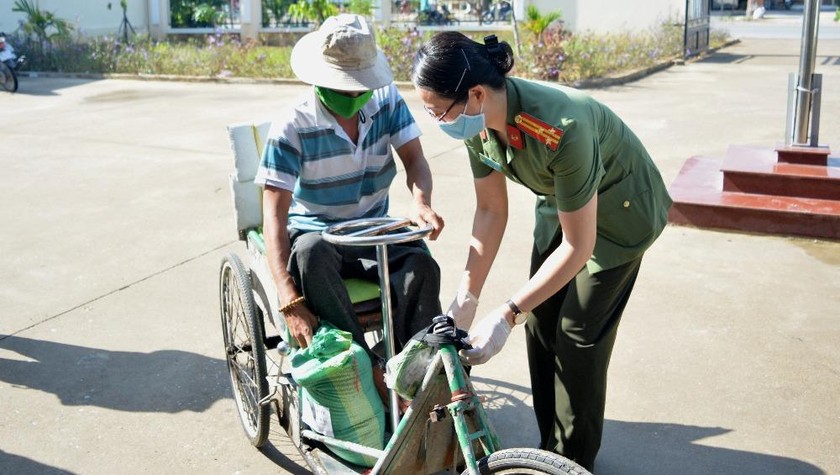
(771, 4)
(438, 15)
(9, 64)
(499, 11)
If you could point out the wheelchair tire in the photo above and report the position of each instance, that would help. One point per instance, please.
(244, 349)
(8, 78)
(528, 461)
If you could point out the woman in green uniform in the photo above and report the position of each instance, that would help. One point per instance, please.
(600, 204)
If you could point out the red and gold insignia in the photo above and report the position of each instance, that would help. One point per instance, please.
(483, 135)
(538, 129)
(515, 137)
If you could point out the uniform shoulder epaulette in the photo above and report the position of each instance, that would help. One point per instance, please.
(546, 134)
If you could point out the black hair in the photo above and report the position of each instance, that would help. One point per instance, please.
(450, 57)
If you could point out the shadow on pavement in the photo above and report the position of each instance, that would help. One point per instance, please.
(11, 463)
(44, 85)
(278, 449)
(166, 381)
(661, 448)
(635, 448)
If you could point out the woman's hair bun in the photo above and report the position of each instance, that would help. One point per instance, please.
(500, 53)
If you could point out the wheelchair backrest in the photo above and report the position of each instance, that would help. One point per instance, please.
(246, 142)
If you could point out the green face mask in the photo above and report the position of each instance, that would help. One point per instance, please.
(345, 106)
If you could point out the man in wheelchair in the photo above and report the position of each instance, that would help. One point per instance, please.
(328, 160)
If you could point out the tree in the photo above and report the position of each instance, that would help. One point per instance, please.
(313, 10)
(277, 8)
(360, 7)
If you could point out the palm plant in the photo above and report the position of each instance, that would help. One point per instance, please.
(536, 22)
(42, 24)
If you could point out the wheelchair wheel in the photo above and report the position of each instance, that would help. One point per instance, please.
(8, 78)
(244, 348)
(528, 461)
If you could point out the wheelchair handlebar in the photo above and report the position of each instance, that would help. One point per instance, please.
(374, 231)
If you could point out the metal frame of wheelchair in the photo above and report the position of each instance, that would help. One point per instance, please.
(444, 429)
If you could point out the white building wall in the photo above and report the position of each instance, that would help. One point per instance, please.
(91, 17)
(604, 16)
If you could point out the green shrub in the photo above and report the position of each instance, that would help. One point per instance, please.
(590, 55)
(559, 56)
(214, 55)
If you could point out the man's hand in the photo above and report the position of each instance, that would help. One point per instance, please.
(488, 338)
(423, 215)
(463, 309)
(302, 324)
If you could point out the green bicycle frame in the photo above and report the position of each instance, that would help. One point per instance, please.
(464, 402)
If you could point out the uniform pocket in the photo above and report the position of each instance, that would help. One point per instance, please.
(624, 213)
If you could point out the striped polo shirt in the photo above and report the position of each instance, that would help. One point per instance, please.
(331, 178)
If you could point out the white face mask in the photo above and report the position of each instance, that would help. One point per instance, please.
(465, 126)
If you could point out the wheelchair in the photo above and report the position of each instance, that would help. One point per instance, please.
(444, 430)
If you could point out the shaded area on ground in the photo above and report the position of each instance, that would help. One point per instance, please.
(167, 381)
(642, 447)
(11, 463)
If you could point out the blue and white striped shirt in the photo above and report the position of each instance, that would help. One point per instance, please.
(331, 178)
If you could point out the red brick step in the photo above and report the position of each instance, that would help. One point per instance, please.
(757, 170)
(700, 200)
(803, 155)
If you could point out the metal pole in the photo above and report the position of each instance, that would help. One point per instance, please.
(815, 111)
(807, 59)
(685, 30)
(789, 114)
(387, 325)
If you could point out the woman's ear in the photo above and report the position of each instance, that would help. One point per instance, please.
(478, 91)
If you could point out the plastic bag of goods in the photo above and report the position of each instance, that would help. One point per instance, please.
(339, 397)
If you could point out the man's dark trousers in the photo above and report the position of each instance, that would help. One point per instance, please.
(319, 267)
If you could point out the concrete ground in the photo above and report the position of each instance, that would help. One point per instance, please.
(775, 24)
(116, 214)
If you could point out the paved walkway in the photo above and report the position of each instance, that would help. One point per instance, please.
(116, 214)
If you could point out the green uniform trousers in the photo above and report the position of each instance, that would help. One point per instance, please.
(570, 339)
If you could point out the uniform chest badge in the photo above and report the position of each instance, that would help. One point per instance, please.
(546, 134)
(515, 137)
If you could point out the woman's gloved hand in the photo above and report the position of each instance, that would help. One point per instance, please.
(488, 338)
(463, 309)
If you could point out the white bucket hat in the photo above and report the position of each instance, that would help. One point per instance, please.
(341, 55)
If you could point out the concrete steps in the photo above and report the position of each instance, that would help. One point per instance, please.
(760, 190)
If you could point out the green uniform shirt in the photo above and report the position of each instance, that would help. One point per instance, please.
(596, 153)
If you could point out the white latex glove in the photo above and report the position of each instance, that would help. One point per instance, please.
(463, 309)
(488, 338)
